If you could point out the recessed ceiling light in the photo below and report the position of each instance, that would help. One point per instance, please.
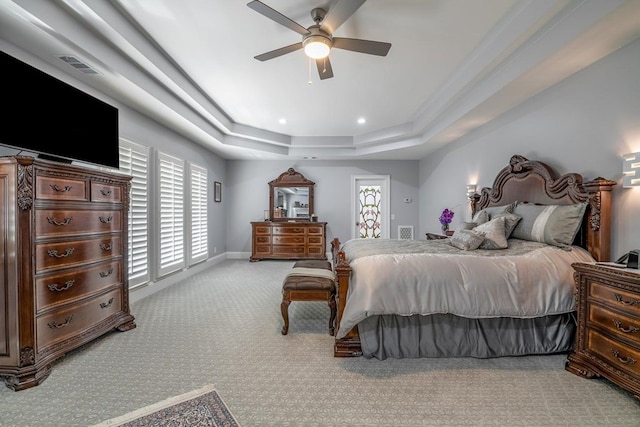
(362, 121)
(282, 121)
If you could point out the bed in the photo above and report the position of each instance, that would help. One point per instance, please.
(512, 295)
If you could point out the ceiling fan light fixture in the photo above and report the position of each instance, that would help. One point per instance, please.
(317, 46)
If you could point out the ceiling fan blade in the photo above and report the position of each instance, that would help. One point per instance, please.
(324, 68)
(363, 46)
(274, 15)
(338, 13)
(279, 52)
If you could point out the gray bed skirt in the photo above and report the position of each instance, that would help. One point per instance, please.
(446, 335)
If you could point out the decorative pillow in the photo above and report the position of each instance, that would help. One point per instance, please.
(552, 224)
(481, 217)
(467, 240)
(487, 214)
(510, 222)
(467, 225)
(494, 234)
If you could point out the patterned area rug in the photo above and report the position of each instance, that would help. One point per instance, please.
(198, 408)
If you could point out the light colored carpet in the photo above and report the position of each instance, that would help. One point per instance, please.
(222, 327)
(198, 408)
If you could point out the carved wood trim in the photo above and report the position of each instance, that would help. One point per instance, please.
(25, 186)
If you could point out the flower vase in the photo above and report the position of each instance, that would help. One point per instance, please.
(445, 228)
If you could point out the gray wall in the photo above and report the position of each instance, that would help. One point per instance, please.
(248, 194)
(583, 124)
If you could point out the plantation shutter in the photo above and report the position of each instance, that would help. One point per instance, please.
(134, 161)
(199, 240)
(171, 199)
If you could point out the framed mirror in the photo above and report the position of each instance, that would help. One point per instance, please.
(291, 197)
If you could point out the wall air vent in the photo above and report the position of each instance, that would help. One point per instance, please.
(77, 64)
(405, 232)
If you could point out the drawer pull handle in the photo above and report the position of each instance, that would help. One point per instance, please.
(630, 329)
(627, 360)
(66, 188)
(622, 301)
(106, 220)
(54, 253)
(106, 273)
(105, 192)
(54, 221)
(54, 325)
(105, 246)
(67, 285)
(106, 304)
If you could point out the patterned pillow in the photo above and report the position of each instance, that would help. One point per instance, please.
(467, 225)
(481, 217)
(487, 214)
(467, 240)
(552, 224)
(494, 234)
(510, 222)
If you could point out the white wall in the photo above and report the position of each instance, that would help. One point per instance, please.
(248, 194)
(583, 124)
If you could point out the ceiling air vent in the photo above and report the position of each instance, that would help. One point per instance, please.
(78, 64)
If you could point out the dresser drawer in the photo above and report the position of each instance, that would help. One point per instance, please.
(60, 288)
(105, 193)
(263, 230)
(623, 326)
(315, 250)
(265, 240)
(74, 252)
(58, 222)
(61, 188)
(288, 230)
(69, 322)
(283, 240)
(263, 250)
(315, 230)
(620, 356)
(288, 250)
(627, 301)
(315, 240)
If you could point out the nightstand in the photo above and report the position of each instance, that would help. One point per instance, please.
(432, 236)
(608, 336)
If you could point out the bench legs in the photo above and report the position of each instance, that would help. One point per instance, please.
(288, 296)
(284, 307)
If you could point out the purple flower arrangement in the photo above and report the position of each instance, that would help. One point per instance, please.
(446, 216)
(445, 219)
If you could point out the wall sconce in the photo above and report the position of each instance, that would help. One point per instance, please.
(631, 170)
(471, 190)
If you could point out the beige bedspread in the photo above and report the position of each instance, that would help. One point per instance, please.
(528, 279)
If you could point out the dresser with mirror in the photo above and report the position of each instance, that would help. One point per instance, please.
(290, 231)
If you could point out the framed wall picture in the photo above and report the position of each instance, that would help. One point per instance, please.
(217, 191)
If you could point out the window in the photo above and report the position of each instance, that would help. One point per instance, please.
(199, 243)
(171, 197)
(134, 161)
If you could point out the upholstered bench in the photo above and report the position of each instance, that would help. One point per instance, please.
(309, 284)
(313, 263)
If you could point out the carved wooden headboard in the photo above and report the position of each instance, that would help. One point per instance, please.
(531, 181)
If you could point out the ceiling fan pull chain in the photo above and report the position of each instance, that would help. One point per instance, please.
(324, 64)
(310, 62)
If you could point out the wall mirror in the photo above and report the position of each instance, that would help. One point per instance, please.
(291, 197)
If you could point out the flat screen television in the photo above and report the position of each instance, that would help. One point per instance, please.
(51, 118)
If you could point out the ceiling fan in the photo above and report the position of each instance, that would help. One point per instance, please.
(317, 40)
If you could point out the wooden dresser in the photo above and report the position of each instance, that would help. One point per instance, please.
(288, 240)
(64, 255)
(608, 336)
